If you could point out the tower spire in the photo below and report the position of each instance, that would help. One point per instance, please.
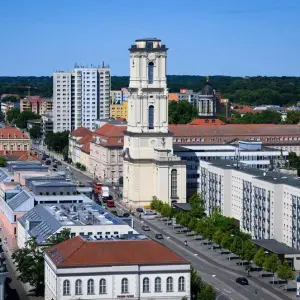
(207, 78)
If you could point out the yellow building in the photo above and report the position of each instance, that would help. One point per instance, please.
(119, 110)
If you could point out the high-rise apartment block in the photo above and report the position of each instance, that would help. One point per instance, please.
(80, 97)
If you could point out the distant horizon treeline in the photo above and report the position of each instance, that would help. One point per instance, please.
(246, 90)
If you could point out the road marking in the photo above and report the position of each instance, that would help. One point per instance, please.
(195, 254)
(217, 289)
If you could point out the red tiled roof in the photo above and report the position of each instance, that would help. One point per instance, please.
(12, 133)
(207, 122)
(235, 130)
(110, 130)
(243, 109)
(86, 148)
(35, 99)
(80, 132)
(85, 139)
(79, 253)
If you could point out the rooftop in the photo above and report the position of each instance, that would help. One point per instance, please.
(12, 133)
(275, 247)
(48, 218)
(81, 132)
(78, 252)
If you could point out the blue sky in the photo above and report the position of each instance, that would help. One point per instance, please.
(219, 37)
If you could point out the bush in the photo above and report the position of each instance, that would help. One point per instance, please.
(78, 165)
(83, 167)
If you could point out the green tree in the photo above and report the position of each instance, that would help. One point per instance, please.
(200, 227)
(236, 245)
(78, 165)
(65, 153)
(285, 271)
(24, 116)
(260, 257)
(192, 224)
(29, 261)
(218, 236)
(12, 115)
(292, 117)
(182, 112)
(197, 206)
(10, 98)
(248, 251)
(271, 263)
(207, 293)
(2, 161)
(35, 132)
(226, 241)
(166, 210)
(58, 141)
(196, 282)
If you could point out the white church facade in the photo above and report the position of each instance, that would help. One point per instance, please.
(150, 168)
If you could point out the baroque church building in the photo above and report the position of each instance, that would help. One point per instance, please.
(150, 168)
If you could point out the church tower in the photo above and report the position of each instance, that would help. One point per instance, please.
(150, 168)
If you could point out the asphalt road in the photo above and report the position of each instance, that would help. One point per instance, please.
(221, 279)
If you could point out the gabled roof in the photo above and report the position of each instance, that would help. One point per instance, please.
(18, 200)
(110, 130)
(80, 132)
(77, 252)
(12, 133)
(85, 139)
(86, 148)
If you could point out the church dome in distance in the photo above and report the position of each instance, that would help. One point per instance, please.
(207, 90)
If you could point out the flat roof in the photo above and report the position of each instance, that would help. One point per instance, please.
(276, 247)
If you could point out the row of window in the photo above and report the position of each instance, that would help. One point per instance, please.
(124, 286)
(12, 147)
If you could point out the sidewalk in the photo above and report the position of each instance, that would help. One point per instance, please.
(196, 246)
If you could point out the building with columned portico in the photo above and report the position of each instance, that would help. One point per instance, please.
(150, 168)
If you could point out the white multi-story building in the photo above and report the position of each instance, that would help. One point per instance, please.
(265, 203)
(80, 97)
(83, 269)
(250, 153)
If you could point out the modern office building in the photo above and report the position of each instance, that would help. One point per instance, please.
(150, 168)
(266, 203)
(250, 153)
(80, 97)
(113, 269)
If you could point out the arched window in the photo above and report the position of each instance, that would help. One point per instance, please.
(157, 285)
(150, 72)
(151, 117)
(169, 284)
(102, 286)
(66, 287)
(181, 284)
(173, 183)
(90, 287)
(78, 287)
(146, 285)
(124, 286)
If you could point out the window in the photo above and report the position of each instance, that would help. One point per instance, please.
(102, 286)
(173, 183)
(151, 117)
(157, 285)
(66, 287)
(150, 72)
(124, 286)
(181, 285)
(90, 287)
(169, 284)
(78, 287)
(146, 285)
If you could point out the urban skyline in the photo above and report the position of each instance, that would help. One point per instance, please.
(240, 39)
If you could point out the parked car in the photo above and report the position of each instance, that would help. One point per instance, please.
(139, 210)
(126, 215)
(159, 236)
(48, 162)
(54, 170)
(68, 179)
(242, 281)
(58, 163)
(146, 228)
(54, 166)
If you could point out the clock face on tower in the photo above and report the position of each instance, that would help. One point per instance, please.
(151, 56)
